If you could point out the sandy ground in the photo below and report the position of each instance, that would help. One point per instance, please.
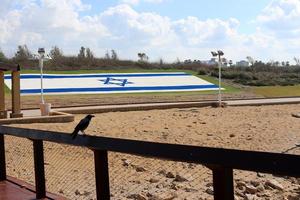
(70, 169)
(98, 99)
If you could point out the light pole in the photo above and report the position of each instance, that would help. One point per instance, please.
(45, 107)
(41, 52)
(218, 54)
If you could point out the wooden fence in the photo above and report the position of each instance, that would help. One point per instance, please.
(220, 161)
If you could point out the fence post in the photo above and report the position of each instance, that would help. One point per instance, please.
(101, 174)
(2, 159)
(39, 170)
(223, 183)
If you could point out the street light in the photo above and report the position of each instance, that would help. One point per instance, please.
(41, 52)
(45, 107)
(218, 54)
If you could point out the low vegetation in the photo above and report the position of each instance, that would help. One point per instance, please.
(258, 74)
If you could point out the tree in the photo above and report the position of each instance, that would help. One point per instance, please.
(89, 54)
(107, 56)
(81, 54)
(23, 53)
(114, 55)
(143, 57)
(297, 60)
(56, 53)
(161, 62)
(287, 63)
(2, 56)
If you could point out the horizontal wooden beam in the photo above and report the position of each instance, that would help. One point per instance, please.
(9, 67)
(274, 163)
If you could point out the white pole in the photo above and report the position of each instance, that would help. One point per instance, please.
(41, 63)
(219, 96)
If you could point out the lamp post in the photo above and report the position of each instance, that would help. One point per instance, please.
(41, 52)
(218, 54)
(45, 107)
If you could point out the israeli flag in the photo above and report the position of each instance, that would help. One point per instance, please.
(110, 83)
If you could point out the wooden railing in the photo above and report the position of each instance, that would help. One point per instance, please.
(220, 161)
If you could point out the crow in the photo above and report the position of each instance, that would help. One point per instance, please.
(82, 125)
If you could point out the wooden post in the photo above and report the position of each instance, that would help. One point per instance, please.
(39, 170)
(2, 159)
(223, 183)
(102, 175)
(3, 111)
(16, 97)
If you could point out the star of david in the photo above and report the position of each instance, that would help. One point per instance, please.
(116, 81)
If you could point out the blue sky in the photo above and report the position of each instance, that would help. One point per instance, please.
(168, 29)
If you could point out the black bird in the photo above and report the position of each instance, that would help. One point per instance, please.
(82, 125)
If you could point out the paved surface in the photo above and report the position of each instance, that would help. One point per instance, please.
(271, 101)
(150, 106)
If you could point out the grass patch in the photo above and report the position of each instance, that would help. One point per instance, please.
(277, 91)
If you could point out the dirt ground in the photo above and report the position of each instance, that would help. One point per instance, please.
(100, 99)
(69, 169)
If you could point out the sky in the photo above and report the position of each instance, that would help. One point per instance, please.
(163, 29)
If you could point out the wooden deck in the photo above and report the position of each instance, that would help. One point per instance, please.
(13, 189)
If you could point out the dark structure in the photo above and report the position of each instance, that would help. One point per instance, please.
(16, 100)
(220, 161)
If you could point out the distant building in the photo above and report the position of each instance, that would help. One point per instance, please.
(243, 63)
(212, 61)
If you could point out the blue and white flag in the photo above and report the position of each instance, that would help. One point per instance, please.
(111, 83)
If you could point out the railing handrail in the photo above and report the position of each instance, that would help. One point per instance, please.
(267, 162)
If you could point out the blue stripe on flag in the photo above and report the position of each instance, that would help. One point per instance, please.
(38, 76)
(111, 89)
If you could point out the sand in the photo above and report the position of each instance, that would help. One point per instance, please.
(69, 170)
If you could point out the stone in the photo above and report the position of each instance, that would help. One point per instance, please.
(232, 135)
(180, 178)
(77, 192)
(162, 172)
(163, 196)
(260, 188)
(137, 197)
(239, 194)
(240, 185)
(170, 175)
(249, 197)
(126, 162)
(190, 190)
(293, 197)
(153, 180)
(250, 189)
(274, 184)
(297, 115)
(140, 169)
(255, 183)
(260, 175)
(210, 191)
(175, 187)
(86, 193)
(160, 186)
(210, 184)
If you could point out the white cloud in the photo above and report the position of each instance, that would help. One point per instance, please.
(136, 2)
(281, 17)
(131, 2)
(61, 22)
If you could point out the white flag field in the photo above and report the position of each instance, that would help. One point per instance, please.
(104, 83)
